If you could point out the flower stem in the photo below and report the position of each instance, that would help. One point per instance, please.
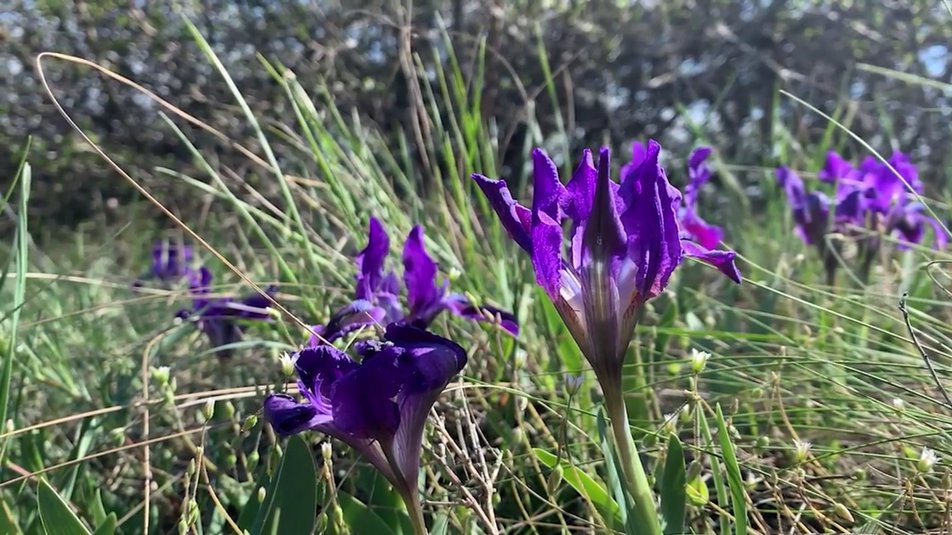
(415, 508)
(646, 516)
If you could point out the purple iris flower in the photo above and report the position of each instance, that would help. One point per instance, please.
(838, 169)
(220, 318)
(171, 261)
(378, 291)
(870, 201)
(624, 243)
(877, 199)
(378, 406)
(910, 222)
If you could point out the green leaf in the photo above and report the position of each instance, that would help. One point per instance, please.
(57, 517)
(717, 475)
(667, 320)
(584, 484)
(108, 527)
(8, 521)
(673, 493)
(360, 518)
(290, 506)
(96, 508)
(441, 525)
(384, 501)
(252, 508)
(734, 479)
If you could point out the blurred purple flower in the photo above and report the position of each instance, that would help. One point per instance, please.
(171, 261)
(378, 291)
(625, 241)
(378, 406)
(873, 197)
(811, 211)
(910, 222)
(698, 230)
(870, 201)
(220, 318)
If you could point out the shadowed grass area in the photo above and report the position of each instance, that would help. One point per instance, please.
(810, 415)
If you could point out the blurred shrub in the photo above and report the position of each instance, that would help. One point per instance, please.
(630, 69)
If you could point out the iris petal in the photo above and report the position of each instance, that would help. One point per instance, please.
(836, 168)
(419, 276)
(362, 400)
(357, 315)
(515, 218)
(581, 189)
(461, 306)
(289, 417)
(370, 260)
(724, 261)
(650, 219)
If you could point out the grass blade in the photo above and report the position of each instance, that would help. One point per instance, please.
(19, 291)
(57, 517)
(734, 480)
(673, 491)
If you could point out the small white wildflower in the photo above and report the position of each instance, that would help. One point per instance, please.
(898, 404)
(287, 362)
(685, 414)
(699, 360)
(801, 449)
(927, 460)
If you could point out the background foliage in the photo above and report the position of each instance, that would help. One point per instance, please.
(629, 69)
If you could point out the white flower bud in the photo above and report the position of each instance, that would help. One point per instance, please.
(208, 410)
(573, 383)
(801, 449)
(699, 360)
(927, 460)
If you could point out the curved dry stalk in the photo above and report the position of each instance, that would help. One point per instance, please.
(921, 350)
